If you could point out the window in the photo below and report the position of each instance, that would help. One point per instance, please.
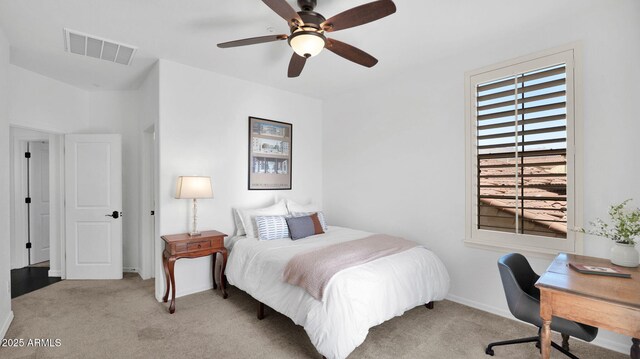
(521, 168)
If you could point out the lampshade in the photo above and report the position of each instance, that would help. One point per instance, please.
(307, 43)
(194, 187)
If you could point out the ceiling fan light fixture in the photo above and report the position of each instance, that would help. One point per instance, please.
(307, 43)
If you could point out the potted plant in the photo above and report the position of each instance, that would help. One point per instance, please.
(623, 229)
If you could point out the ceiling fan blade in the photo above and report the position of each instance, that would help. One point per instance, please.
(253, 41)
(359, 15)
(296, 65)
(282, 8)
(350, 53)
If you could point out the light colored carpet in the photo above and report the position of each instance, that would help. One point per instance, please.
(122, 319)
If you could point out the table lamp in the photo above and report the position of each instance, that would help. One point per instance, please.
(194, 187)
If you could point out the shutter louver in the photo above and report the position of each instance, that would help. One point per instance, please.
(521, 124)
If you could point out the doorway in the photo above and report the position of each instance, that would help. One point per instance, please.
(34, 210)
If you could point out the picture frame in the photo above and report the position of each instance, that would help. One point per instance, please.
(270, 153)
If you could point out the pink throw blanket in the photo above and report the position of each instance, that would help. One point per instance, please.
(313, 270)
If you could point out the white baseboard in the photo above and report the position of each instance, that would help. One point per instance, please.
(6, 324)
(189, 291)
(55, 273)
(182, 293)
(601, 342)
(612, 345)
(129, 270)
(481, 306)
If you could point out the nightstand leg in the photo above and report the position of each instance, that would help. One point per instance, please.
(172, 307)
(213, 270)
(166, 276)
(224, 265)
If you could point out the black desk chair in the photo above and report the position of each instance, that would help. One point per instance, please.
(518, 280)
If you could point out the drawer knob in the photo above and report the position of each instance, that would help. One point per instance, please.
(199, 245)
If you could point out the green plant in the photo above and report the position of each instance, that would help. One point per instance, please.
(624, 226)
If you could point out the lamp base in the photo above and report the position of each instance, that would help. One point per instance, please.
(195, 234)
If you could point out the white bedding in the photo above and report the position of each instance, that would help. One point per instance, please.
(355, 299)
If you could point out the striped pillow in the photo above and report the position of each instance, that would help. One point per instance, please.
(272, 227)
(323, 222)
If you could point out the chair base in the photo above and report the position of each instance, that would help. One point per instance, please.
(536, 339)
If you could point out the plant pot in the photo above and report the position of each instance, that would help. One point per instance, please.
(625, 255)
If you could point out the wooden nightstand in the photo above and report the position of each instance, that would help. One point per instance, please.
(185, 246)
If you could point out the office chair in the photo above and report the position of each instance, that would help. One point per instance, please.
(518, 280)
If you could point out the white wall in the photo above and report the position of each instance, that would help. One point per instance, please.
(117, 112)
(394, 154)
(149, 101)
(6, 315)
(203, 130)
(40, 103)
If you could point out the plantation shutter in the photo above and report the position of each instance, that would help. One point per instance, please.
(521, 124)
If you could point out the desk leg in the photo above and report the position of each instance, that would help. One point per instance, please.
(213, 270)
(166, 276)
(635, 349)
(224, 265)
(171, 264)
(545, 314)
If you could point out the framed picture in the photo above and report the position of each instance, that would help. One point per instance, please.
(269, 154)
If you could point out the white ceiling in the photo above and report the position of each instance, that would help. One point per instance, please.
(420, 33)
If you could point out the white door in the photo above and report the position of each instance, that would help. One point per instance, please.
(93, 186)
(39, 208)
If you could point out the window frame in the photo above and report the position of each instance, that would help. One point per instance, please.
(571, 56)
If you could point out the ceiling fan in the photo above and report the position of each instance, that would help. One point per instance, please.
(308, 30)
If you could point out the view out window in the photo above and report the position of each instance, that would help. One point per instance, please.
(522, 153)
(521, 132)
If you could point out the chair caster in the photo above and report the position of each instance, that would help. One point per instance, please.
(489, 351)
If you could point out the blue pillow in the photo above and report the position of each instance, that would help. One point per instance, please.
(301, 227)
(323, 222)
(271, 227)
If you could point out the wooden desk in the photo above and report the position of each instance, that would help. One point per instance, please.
(601, 301)
(185, 246)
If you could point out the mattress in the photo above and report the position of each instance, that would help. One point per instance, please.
(355, 299)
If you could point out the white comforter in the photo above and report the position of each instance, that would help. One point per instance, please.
(355, 299)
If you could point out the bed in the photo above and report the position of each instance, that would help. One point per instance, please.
(355, 299)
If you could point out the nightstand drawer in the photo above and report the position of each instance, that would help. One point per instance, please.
(198, 245)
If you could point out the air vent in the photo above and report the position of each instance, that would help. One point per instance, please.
(89, 45)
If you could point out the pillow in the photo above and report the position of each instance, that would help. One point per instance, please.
(301, 227)
(248, 216)
(238, 221)
(272, 227)
(302, 208)
(323, 222)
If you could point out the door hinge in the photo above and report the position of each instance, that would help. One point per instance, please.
(28, 245)
(27, 200)
(27, 155)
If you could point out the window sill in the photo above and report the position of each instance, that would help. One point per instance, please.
(536, 251)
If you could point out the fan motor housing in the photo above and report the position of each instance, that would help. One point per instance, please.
(307, 5)
(311, 19)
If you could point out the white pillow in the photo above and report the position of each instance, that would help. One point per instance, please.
(302, 208)
(238, 221)
(248, 216)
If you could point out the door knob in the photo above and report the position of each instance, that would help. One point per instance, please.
(115, 215)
